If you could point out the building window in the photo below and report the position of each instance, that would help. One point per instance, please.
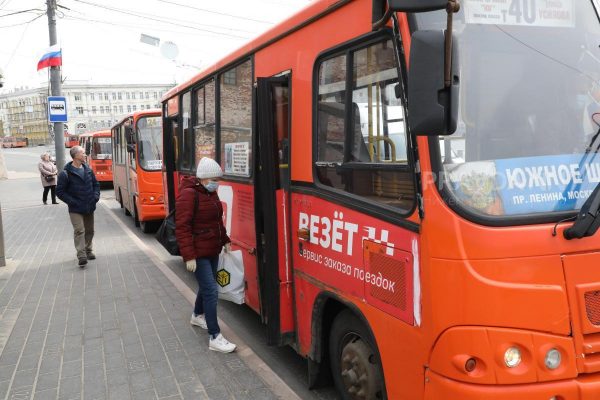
(77, 96)
(147, 95)
(156, 95)
(120, 96)
(79, 110)
(106, 96)
(229, 77)
(92, 96)
(128, 108)
(101, 109)
(133, 95)
(121, 109)
(115, 109)
(93, 109)
(134, 107)
(114, 96)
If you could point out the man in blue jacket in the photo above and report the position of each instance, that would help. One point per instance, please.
(78, 188)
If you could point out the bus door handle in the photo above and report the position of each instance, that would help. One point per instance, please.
(250, 250)
(304, 234)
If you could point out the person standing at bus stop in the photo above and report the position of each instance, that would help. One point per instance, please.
(201, 235)
(48, 174)
(78, 187)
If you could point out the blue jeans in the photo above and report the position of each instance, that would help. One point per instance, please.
(206, 300)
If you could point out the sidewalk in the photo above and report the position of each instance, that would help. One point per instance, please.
(118, 329)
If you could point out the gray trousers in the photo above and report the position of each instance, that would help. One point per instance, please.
(83, 232)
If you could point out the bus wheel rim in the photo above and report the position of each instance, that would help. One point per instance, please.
(358, 371)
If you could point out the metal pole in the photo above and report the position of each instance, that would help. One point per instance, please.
(2, 257)
(55, 82)
(3, 175)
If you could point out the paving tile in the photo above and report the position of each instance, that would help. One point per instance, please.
(166, 386)
(47, 381)
(115, 330)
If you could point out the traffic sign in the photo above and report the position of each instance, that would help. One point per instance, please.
(57, 109)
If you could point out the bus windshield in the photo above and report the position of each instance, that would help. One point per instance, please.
(101, 148)
(150, 142)
(529, 107)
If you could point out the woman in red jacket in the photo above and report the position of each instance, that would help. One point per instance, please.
(201, 235)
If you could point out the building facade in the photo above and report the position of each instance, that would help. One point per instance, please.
(23, 113)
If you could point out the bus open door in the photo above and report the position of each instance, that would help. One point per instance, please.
(273, 209)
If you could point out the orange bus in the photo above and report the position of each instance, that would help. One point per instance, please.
(407, 204)
(70, 140)
(14, 141)
(98, 149)
(137, 163)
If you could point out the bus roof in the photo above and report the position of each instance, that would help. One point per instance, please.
(102, 133)
(138, 114)
(312, 12)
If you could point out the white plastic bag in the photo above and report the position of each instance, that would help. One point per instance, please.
(230, 277)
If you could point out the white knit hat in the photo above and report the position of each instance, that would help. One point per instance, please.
(208, 168)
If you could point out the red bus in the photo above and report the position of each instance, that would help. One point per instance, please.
(70, 140)
(98, 149)
(406, 206)
(137, 163)
(14, 141)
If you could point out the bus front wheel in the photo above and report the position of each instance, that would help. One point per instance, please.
(355, 363)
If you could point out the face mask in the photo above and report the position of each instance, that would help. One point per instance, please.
(211, 186)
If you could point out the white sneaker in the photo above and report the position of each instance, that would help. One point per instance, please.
(221, 344)
(199, 321)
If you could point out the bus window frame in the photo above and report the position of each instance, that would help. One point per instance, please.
(137, 141)
(237, 178)
(379, 210)
(194, 90)
(180, 133)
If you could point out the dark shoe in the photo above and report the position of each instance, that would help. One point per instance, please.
(82, 262)
(45, 203)
(55, 202)
(91, 256)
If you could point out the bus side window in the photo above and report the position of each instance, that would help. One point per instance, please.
(369, 157)
(186, 140)
(204, 123)
(235, 91)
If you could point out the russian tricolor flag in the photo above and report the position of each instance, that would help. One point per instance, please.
(52, 58)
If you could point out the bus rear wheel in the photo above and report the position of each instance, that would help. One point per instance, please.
(355, 363)
(136, 218)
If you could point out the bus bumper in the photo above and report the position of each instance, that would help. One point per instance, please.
(585, 387)
(104, 176)
(152, 212)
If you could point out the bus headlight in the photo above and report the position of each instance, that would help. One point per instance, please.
(151, 198)
(552, 359)
(512, 357)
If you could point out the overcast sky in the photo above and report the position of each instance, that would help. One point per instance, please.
(100, 39)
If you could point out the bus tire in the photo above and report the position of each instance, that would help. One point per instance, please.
(146, 226)
(120, 199)
(355, 362)
(127, 212)
(136, 219)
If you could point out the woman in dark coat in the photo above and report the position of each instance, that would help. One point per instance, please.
(201, 236)
(48, 174)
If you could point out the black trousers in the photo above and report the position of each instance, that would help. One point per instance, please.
(52, 190)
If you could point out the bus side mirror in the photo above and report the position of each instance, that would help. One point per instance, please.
(417, 5)
(432, 107)
(129, 135)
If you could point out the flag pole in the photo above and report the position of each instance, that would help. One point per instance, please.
(55, 82)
